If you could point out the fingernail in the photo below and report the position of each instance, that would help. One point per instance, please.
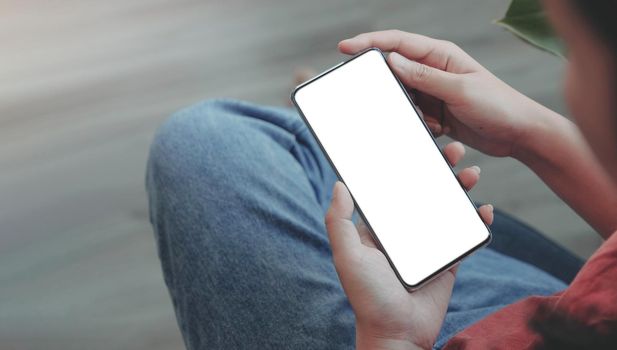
(477, 169)
(490, 206)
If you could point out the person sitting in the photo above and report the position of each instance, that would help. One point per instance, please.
(259, 251)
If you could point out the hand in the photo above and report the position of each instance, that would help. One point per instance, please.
(457, 95)
(387, 316)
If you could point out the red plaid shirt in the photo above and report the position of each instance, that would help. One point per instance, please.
(584, 315)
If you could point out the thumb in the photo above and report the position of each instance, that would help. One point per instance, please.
(432, 81)
(342, 232)
(439, 290)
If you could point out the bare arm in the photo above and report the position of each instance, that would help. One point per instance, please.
(556, 151)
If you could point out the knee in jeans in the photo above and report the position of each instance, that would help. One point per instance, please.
(191, 137)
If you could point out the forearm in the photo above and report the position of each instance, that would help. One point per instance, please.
(556, 151)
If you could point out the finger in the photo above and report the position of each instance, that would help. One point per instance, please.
(439, 290)
(454, 152)
(454, 269)
(433, 124)
(365, 234)
(434, 52)
(469, 177)
(486, 213)
(342, 233)
(431, 106)
(411, 45)
(436, 129)
(433, 81)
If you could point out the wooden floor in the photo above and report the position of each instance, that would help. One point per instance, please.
(83, 85)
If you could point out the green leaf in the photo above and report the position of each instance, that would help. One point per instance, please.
(527, 20)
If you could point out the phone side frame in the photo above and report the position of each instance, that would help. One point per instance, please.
(360, 213)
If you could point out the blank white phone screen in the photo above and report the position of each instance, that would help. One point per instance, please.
(401, 183)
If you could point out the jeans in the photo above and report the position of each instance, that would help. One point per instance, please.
(237, 196)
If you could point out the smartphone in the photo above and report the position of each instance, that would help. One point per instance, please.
(371, 132)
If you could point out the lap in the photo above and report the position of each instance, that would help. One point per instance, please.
(237, 196)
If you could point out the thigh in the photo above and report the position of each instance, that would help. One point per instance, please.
(237, 197)
(488, 281)
(519, 262)
(516, 239)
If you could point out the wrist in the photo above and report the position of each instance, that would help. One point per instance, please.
(364, 341)
(385, 344)
(532, 141)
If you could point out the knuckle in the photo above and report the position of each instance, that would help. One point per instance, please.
(333, 222)
(422, 72)
(450, 46)
(330, 219)
(361, 36)
(396, 37)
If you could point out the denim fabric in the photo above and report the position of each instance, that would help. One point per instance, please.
(237, 195)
